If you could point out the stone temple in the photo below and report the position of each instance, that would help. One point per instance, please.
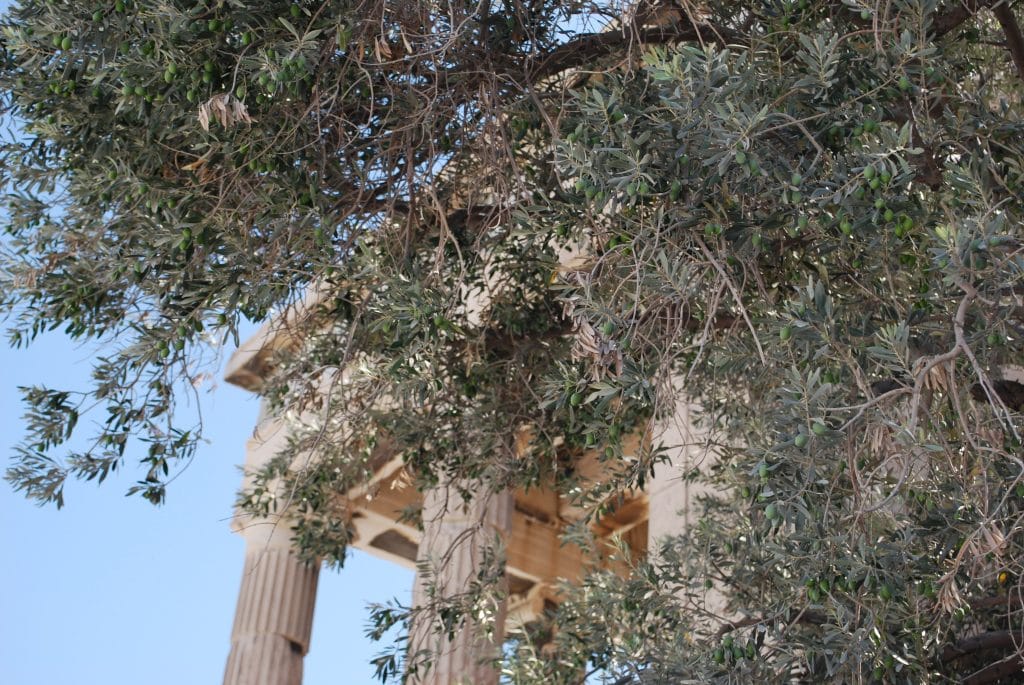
(274, 615)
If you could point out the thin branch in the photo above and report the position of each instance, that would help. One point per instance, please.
(815, 618)
(736, 295)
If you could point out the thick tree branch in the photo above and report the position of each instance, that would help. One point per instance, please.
(1014, 40)
(964, 10)
(588, 47)
(995, 672)
(995, 639)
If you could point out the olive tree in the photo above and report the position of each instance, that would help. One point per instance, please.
(804, 217)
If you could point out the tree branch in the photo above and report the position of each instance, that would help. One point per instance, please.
(995, 639)
(588, 47)
(964, 10)
(1014, 40)
(814, 618)
(995, 672)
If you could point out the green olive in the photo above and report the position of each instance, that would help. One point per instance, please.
(785, 333)
(800, 440)
(675, 190)
(576, 399)
(819, 428)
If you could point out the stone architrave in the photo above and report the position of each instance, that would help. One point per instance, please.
(274, 615)
(457, 536)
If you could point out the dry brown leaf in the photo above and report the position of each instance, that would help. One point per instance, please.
(382, 49)
(224, 109)
(192, 166)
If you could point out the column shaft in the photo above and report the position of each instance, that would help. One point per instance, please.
(457, 537)
(273, 619)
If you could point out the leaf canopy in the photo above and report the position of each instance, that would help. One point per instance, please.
(560, 220)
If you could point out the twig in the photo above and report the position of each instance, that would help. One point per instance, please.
(864, 406)
(736, 295)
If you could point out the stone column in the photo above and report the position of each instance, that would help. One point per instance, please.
(671, 496)
(274, 615)
(457, 536)
(668, 493)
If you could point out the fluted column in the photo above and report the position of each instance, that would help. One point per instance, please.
(273, 619)
(669, 492)
(274, 615)
(457, 537)
(672, 494)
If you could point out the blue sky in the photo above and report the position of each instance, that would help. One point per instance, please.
(111, 590)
